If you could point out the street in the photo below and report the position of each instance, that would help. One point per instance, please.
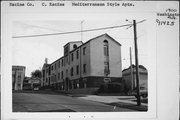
(49, 102)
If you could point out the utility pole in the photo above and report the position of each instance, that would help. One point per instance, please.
(137, 65)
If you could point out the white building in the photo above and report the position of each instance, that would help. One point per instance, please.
(18, 74)
(85, 66)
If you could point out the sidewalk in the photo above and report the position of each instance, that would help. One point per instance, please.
(114, 100)
(120, 101)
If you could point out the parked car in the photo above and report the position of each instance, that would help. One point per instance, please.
(36, 88)
(142, 91)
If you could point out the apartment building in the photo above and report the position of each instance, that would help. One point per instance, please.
(84, 66)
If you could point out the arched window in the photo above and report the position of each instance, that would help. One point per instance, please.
(106, 48)
(74, 46)
(105, 41)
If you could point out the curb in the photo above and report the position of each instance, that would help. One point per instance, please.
(130, 106)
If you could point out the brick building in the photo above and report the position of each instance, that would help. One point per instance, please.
(84, 66)
(129, 77)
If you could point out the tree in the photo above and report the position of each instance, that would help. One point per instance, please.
(36, 73)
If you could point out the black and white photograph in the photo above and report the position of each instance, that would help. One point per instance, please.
(79, 66)
(89, 60)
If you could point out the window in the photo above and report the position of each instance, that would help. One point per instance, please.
(66, 72)
(49, 80)
(62, 62)
(58, 76)
(84, 68)
(69, 59)
(59, 64)
(54, 77)
(55, 66)
(77, 85)
(74, 46)
(66, 60)
(52, 67)
(19, 85)
(72, 57)
(106, 62)
(43, 73)
(84, 83)
(106, 68)
(77, 54)
(84, 50)
(106, 51)
(19, 78)
(62, 75)
(72, 71)
(14, 76)
(49, 70)
(77, 69)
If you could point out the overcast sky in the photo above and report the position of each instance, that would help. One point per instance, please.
(32, 51)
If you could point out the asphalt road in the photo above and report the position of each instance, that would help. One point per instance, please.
(38, 102)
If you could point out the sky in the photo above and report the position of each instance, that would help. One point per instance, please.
(32, 51)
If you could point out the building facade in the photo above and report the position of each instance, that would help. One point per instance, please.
(84, 65)
(129, 77)
(18, 75)
(31, 83)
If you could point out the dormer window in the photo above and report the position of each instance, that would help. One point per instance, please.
(74, 46)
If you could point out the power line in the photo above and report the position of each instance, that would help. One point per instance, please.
(36, 26)
(70, 32)
(89, 30)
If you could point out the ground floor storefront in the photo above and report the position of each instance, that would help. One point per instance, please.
(87, 85)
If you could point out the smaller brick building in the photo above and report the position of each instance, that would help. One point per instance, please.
(129, 77)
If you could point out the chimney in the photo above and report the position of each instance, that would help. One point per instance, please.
(46, 60)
